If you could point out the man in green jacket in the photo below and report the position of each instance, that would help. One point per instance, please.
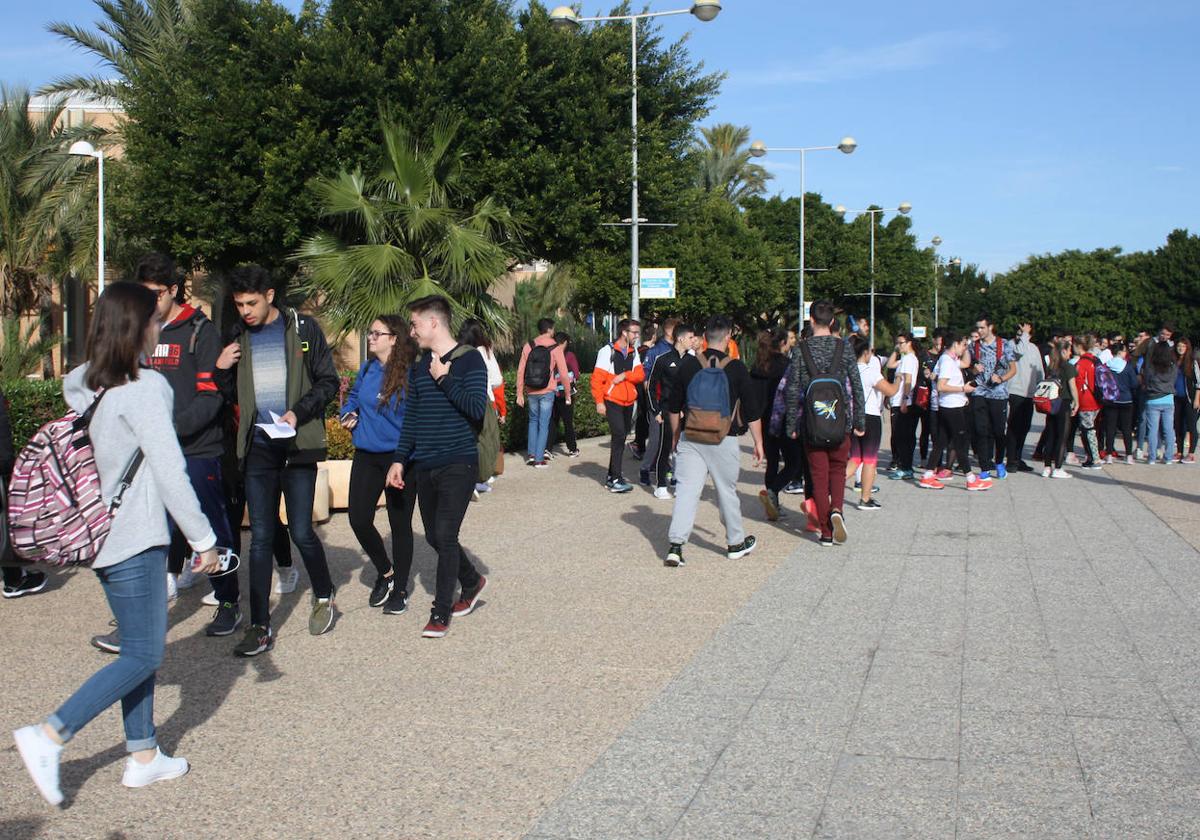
(279, 366)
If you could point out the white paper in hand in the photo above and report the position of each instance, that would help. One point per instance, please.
(277, 429)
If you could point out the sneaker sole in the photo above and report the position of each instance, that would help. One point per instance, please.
(249, 653)
(107, 648)
(474, 602)
(433, 634)
(924, 486)
(868, 507)
(400, 611)
(178, 774)
(21, 593)
(673, 562)
(839, 528)
(738, 555)
(381, 602)
(25, 748)
(324, 629)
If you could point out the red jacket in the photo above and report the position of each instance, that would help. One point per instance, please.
(1085, 381)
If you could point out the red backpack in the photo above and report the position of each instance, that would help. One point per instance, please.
(56, 513)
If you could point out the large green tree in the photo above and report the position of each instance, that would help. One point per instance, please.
(723, 163)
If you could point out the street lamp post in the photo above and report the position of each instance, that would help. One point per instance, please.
(937, 270)
(566, 18)
(904, 208)
(760, 149)
(83, 148)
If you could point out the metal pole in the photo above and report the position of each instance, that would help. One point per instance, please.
(800, 316)
(100, 223)
(937, 266)
(633, 257)
(871, 213)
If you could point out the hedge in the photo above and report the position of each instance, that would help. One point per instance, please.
(31, 404)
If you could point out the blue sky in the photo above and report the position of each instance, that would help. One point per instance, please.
(1013, 128)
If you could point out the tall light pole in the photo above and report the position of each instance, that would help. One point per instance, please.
(759, 149)
(566, 18)
(904, 208)
(83, 148)
(937, 270)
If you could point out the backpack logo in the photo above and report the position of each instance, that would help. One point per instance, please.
(823, 427)
(828, 410)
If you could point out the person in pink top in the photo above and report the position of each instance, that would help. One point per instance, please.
(541, 360)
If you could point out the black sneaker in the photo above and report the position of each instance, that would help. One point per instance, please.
(258, 639)
(794, 488)
(825, 542)
(674, 555)
(839, 526)
(644, 477)
(869, 504)
(397, 602)
(226, 619)
(29, 583)
(109, 642)
(381, 590)
(737, 552)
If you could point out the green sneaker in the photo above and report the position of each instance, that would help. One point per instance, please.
(257, 639)
(322, 615)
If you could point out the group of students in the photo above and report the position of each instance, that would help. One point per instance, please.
(192, 426)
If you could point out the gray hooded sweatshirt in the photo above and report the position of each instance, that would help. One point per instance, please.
(132, 416)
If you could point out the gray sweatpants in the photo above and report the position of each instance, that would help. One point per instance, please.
(694, 462)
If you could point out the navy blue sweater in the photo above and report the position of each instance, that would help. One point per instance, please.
(441, 417)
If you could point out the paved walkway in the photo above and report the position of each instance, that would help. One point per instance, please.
(946, 673)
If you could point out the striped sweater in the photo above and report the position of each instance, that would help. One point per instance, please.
(441, 417)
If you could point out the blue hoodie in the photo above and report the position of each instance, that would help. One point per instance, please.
(378, 428)
(1127, 381)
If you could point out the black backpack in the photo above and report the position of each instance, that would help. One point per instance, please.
(537, 367)
(825, 403)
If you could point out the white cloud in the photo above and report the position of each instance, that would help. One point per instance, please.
(841, 63)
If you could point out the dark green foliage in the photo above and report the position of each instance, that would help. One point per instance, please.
(31, 404)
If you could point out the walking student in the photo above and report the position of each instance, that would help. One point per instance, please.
(816, 384)
(864, 451)
(134, 414)
(18, 581)
(714, 395)
(662, 385)
(564, 397)
(374, 412)
(438, 454)
(953, 393)
(541, 362)
(992, 364)
(614, 390)
(770, 364)
(279, 366)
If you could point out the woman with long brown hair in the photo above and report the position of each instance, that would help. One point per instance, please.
(374, 411)
(132, 431)
(1187, 400)
(770, 364)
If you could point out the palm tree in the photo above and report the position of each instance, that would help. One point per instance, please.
(407, 233)
(723, 163)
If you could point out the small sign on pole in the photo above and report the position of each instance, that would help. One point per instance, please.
(656, 283)
(920, 332)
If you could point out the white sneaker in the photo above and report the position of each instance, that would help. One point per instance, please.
(161, 768)
(1060, 474)
(187, 578)
(662, 493)
(41, 757)
(172, 588)
(288, 577)
(1046, 472)
(1128, 459)
(210, 600)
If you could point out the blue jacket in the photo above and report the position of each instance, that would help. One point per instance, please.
(661, 346)
(378, 428)
(1127, 379)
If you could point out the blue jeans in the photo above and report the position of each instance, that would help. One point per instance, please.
(1161, 419)
(267, 475)
(137, 595)
(541, 407)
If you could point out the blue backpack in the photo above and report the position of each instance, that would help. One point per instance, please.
(708, 415)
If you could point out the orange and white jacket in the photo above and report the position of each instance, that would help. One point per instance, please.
(611, 361)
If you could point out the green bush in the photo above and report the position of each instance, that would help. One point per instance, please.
(587, 422)
(31, 404)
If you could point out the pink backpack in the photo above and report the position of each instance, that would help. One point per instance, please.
(56, 513)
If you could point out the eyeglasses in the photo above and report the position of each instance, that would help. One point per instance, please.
(160, 292)
(378, 334)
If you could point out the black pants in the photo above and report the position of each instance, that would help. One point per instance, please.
(928, 430)
(777, 447)
(565, 413)
(662, 458)
(235, 507)
(368, 478)
(1054, 449)
(443, 494)
(12, 574)
(953, 425)
(619, 419)
(641, 427)
(904, 437)
(991, 434)
(1185, 423)
(1020, 419)
(1118, 417)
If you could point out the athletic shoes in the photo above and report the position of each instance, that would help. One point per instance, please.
(159, 769)
(930, 482)
(541, 465)
(321, 617)
(1046, 472)
(109, 642)
(381, 590)
(901, 475)
(210, 600)
(944, 475)
(871, 504)
(810, 510)
(286, 582)
(662, 493)
(1023, 467)
(572, 453)
(737, 552)
(1001, 471)
(794, 488)
(825, 542)
(437, 627)
(985, 475)
(770, 503)
(618, 485)
(644, 477)
(980, 483)
(838, 523)
(674, 555)
(469, 599)
(874, 488)
(41, 756)
(1129, 459)
(1091, 465)
(226, 619)
(257, 639)
(29, 583)
(1060, 474)
(397, 602)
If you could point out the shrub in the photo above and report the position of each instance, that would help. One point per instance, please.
(31, 404)
(341, 447)
(587, 422)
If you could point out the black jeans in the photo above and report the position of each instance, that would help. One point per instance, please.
(1020, 419)
(1118, 417)
(953, 431)
(904, 437)
(368, 478)
(443, 494)
(991, 435)
(267, 475)
(776, 447)
(641, 427)
(1185, 423)
(928, 430)
(1054, 448)
(566, 413)
(619, 418)
(208, 484)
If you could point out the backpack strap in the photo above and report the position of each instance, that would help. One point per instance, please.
(837, 359)
(806, 356)
(126, 481)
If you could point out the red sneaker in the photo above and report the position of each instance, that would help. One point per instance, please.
(436, 628)
(931, 483)
(944, 475)
(469, 600)
(980, 484)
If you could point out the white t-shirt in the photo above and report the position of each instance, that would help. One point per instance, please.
(948, 368)
(870, 373)
(908, 365)
(495, 378)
